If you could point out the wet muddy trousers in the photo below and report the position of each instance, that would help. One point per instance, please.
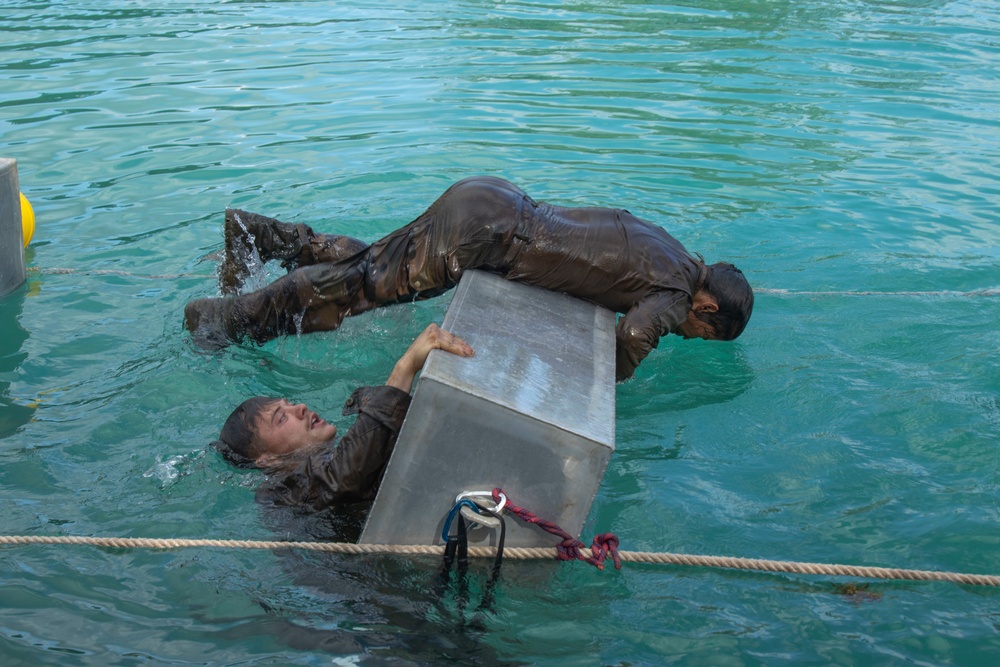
(421, 260)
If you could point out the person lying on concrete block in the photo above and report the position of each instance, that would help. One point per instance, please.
(296, 447)
(607, 256)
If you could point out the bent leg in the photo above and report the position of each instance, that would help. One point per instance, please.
(330, 248)
(253, 239)
(478, 223)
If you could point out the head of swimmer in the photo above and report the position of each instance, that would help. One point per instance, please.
(721, 306)
(263, 431)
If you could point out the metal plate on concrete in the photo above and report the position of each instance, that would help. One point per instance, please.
(533, 412)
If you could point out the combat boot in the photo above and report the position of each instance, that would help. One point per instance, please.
(274, 311)
(252, 240)
(312, 298)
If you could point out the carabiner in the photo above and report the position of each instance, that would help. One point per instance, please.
(451, 517)
(479, 496)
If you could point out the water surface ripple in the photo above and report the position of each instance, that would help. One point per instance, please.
(845, 155)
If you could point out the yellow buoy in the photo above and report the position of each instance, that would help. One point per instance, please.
(27, 220)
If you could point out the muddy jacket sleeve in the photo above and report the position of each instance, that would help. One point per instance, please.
(639, 330)
(352, 470)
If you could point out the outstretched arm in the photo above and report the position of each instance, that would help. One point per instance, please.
(432, 338)
(352, 470)
(639, 330)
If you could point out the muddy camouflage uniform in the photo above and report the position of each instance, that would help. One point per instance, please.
(604, 255)
(351, 470)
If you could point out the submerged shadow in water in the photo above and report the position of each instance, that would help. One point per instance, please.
(688, 375)
(13, 415)
(370, 609)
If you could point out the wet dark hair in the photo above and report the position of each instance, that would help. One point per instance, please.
(733, 293)
(238, 440)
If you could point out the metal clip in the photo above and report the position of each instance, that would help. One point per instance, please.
(483, 499)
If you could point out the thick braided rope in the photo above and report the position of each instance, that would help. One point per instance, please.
(518, 553)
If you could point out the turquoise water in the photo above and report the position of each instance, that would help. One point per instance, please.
(844, 154)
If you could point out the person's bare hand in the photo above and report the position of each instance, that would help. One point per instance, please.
(432, 338)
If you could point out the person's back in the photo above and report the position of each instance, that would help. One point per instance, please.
(605, 255)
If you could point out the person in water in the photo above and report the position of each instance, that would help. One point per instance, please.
(607, 256)
(295, 446)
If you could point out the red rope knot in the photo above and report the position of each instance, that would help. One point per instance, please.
(569, 547)
(604, 544)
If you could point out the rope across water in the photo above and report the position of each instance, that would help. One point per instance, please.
(538, 553)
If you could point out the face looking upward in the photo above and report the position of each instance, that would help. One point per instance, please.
(284, 427)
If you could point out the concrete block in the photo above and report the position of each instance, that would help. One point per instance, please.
(12, 272)
(533, 412)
